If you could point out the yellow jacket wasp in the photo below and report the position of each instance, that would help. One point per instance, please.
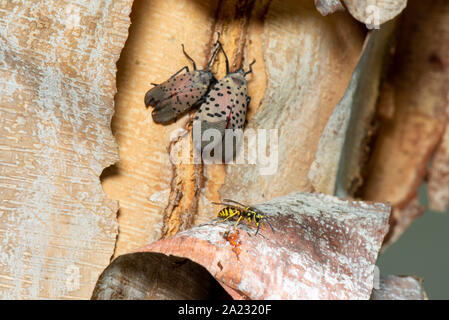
(234, 208)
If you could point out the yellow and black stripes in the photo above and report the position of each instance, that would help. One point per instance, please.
(228, 212)
(242, 212)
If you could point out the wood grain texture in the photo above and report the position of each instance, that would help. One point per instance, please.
(57, 80)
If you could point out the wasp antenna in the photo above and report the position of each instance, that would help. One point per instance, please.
(188, 57)
(250, 68)
(221, 203)
(233, 201)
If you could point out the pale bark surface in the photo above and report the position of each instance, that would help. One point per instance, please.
(57, 82)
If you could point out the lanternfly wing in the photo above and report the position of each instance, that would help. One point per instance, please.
(177, 95)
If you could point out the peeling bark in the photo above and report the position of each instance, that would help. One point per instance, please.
(375, 12)
(326, 7)
(342, 147)
(438, 177)
(300, 94)
(155, 276)
(414, 110)
(154, 194)
(371, 12)
(310, 254)
(399, 288)
(57, 82)
(400, 219)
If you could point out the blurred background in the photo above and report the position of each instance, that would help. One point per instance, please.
(422, 250)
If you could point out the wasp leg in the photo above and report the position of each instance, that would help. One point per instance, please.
(270, 225)
(231, 215)
(258, 226)
(238, 221)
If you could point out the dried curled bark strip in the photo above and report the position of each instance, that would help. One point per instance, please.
(414, 108)
(322, 247)
(399, 288)
(401, 218)
(154, 276)
(326, 7)
(341, 150)
(375, 12)
(438, 186)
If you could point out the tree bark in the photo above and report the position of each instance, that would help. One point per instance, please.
(346, 122)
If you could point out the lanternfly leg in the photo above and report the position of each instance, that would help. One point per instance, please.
(188, 57)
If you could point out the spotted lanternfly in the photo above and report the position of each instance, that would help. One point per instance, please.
(181, 92)
(226, 103)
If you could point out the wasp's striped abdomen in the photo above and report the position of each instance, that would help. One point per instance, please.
(228, 212)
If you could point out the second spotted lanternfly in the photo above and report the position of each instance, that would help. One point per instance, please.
(226, 104)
